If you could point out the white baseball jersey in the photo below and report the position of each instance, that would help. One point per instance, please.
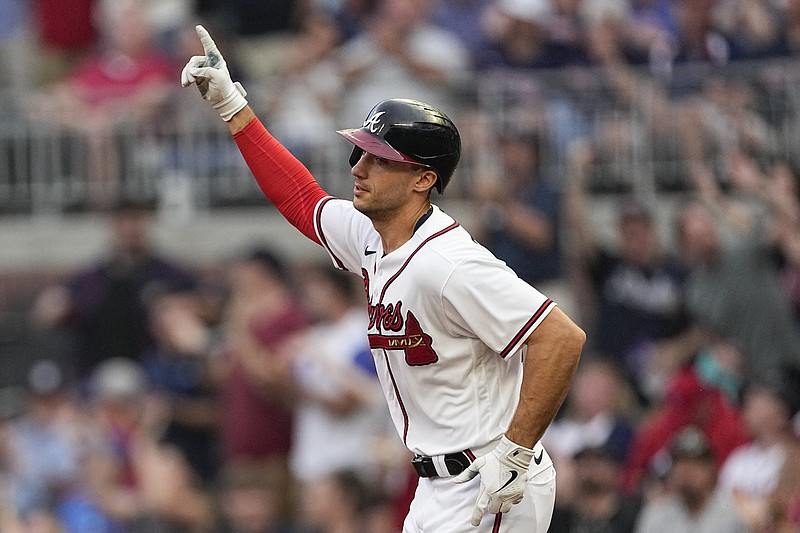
(448, 322)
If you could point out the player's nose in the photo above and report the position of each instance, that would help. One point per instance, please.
(359, 169)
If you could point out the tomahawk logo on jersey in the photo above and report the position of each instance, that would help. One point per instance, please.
(417, 345)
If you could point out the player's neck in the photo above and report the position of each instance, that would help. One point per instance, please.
(396, 230)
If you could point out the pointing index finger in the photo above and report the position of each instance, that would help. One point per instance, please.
(209, 46)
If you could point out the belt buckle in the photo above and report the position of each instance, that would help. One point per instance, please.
(424, 466)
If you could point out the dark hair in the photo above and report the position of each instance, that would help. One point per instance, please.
(783, 381)
(268, 261)
(353, 486)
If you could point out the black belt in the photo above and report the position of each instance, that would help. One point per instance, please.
(455, 463)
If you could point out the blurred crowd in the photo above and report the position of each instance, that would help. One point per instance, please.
(238, 399)
(657, 87)
(241, 397)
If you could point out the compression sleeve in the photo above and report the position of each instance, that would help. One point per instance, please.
(284, 180)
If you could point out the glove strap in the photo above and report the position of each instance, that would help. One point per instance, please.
(515, 454)
(233, 103)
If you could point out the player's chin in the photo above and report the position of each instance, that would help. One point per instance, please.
(360, 198)
(360, 206)
(364, 206)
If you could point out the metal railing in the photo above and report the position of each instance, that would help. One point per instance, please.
(185, 156)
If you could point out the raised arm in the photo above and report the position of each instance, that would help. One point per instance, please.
(283, 179)
(576, 203)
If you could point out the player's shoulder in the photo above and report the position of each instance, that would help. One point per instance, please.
(335, 212)
(448, 239)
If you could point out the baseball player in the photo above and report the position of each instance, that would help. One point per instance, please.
(474, 362)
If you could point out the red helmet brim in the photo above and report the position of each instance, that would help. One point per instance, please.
(375, 146)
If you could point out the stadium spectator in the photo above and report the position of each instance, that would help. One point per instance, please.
(181, 369)
(263, 320)
(167, 20)
(303, 104)
(790, 30)
(104, 304)
(39, 453)
(336, 504)
(781, 188)
(753, 26)
(688, 401)
(692, 503)
(261, 30)
(636, 288)
(66, 33)
(633, 137)
(599, 414)
(598, 506)
(352, 16)
(401, 52)
(518, 37)
(338, 396)
(728, 244)
(250, 501)
(129, 481)
(519, 214)
(116, 88)
(782, 512)
(719, 125)
(16, 50)
(751, 474)
(699, 38)
(464, 19)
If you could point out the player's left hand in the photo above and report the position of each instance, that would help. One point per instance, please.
(504, 474)
(210, 73)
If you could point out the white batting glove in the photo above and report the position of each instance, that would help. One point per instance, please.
(210, 73)
(504, 474)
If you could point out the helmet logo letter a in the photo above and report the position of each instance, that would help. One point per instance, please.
(373, 123)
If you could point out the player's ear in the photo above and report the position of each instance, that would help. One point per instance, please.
(425, 180)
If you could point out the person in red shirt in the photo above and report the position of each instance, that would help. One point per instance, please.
(65, 32)
(688, 402)
(112, 91)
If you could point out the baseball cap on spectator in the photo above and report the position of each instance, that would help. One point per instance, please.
(118, 379)
(690, 443)
(45, 378)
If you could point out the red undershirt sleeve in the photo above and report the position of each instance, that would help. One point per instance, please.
(284, 180)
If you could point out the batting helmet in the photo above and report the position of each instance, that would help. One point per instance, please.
(408, 131)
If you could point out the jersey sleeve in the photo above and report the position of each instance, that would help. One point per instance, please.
(484, 298)
(344, 232)
(281, 177)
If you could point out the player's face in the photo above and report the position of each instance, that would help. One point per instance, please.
(381, 186)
